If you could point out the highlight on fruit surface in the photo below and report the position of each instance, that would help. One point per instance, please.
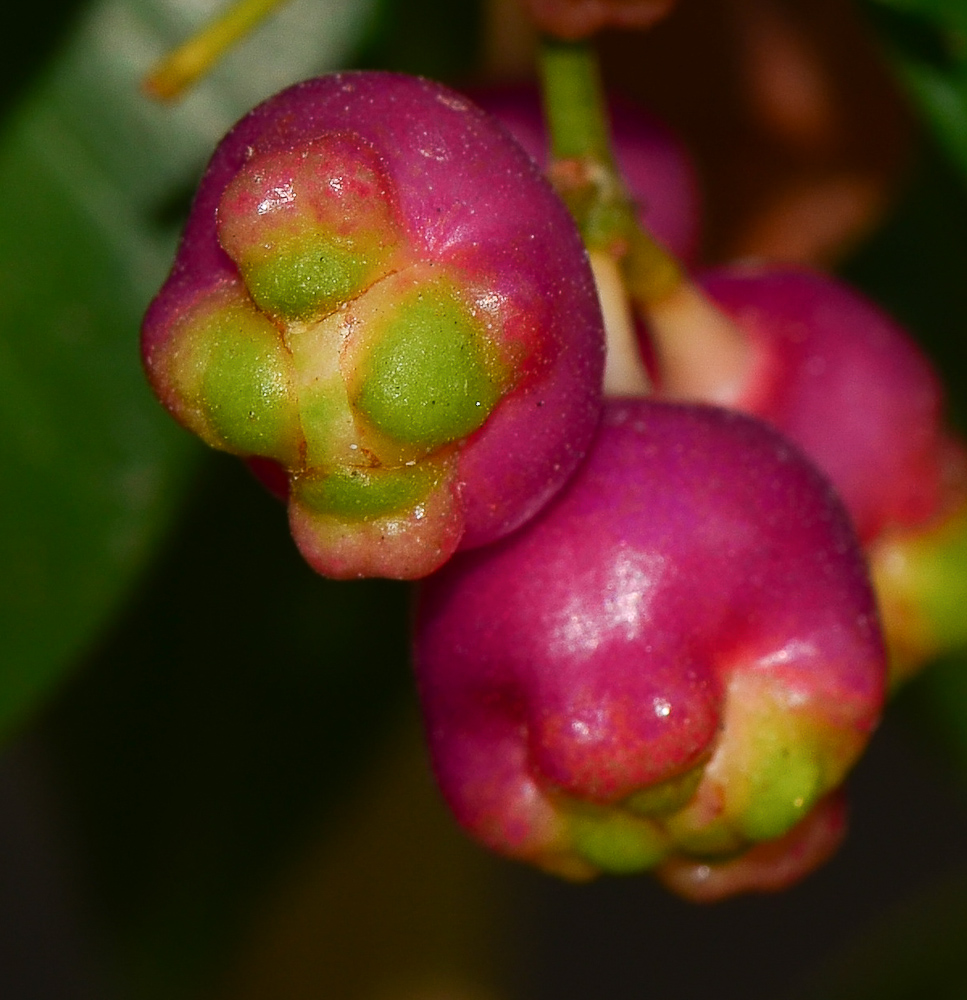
(673, 667)
(378, 292)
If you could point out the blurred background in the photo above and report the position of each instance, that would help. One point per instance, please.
(212, 782)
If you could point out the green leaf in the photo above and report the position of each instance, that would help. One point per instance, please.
(92, 175)
(927, 42)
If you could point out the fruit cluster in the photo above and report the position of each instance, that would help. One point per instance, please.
(647, 638)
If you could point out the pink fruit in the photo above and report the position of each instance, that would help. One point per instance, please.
(377, 291)
(678, 660)
(845, 382)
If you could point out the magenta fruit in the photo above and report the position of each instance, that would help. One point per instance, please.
(377, 291)
(835, 374)
(840, 378)
(673, 666)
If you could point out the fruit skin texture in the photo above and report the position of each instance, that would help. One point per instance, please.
(673, 666)
(377, 291)
(652, 161)
(839, 377)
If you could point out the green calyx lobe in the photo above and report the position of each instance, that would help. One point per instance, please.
(430, 377)
(613, 841)
(235, 375)
(364, 494)
(312, 276)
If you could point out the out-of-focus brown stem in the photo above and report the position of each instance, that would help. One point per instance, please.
(575, 19)
(809, 140)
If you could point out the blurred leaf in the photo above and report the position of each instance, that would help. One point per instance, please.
(915, 266)
(91, 172)
(237, 703)
(927, 41)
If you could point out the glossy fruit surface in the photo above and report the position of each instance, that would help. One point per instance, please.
(678, 660)
(378, 292)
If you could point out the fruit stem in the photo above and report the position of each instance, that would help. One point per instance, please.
(185, 65)
(584, 172)
(624, 372)
(574, 102)
(701, 354)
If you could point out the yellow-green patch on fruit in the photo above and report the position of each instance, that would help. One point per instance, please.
(311, 276)
(348, 539)
(362, 494)
(775, 758)
(920, 577)
(784, 784)
(666, 797)
(312, 228)
(614, 841)
(234, 379)
(429, 377)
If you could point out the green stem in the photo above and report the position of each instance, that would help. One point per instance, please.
(584, 172)
(701, 353)
(574, 102)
